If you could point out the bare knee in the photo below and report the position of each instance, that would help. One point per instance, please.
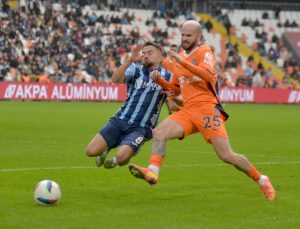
(89, 151)
(223, 150)
(124, 154)
(96, 146)
(92, 151)
(123, 158)
(227, 158)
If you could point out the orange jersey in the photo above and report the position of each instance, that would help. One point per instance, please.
(169, 64)
(196, 77)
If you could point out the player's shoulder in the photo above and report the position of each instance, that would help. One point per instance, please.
(166, 62)
(133, 66)
(205, 48)
(166, 74)
(164, 70)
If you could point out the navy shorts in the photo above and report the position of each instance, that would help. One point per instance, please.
(117, 132)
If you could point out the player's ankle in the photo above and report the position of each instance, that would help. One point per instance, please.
(154, 168)
(262, 179)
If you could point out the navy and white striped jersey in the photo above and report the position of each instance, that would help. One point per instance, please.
(144, 97)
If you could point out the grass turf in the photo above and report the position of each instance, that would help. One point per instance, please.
(46, 140)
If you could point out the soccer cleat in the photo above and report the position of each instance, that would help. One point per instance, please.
(143, 173)
(110, 163)
(267, 188)
(101, 158)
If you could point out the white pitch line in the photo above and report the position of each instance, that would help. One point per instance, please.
(174, 165)
(47, 168)
(191, 151)
(221, 164)
(212, 153)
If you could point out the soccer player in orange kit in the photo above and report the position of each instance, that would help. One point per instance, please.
(195, 78)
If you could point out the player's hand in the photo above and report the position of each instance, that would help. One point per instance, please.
(155, 75)
(136, 54)
(175, 55)
(169, 93)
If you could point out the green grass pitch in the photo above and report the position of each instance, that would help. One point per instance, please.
(47, 140)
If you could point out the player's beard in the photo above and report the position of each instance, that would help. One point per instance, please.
(189, 46)
(147, 64)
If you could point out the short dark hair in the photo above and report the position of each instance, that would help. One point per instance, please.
(155, 45)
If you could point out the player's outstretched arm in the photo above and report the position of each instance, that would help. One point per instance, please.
(167, 86)
(119, 75)
(200, 71)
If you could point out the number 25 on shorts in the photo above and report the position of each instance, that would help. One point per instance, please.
(210, 121)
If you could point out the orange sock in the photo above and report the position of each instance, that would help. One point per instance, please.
(253, 173)
(156, 160)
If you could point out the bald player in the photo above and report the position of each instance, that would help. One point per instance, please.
(195, 78)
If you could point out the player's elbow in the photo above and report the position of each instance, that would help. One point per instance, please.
(117, 78)
(114, 80)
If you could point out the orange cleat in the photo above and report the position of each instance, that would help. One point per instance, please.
(267, 188)
(143, 173)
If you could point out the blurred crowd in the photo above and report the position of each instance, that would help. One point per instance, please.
(253, 75)
(60, 46)
(272, 48)
(41, 44)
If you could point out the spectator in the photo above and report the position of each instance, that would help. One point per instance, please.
(265, 15)
(256, 79)
(287, 23)
(73, 46)
(208, 25)
(294, 24)
(245, 22)
(277, 11)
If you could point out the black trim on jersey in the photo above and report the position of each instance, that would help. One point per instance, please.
(216, 93)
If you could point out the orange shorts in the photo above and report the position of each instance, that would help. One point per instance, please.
(207, 120)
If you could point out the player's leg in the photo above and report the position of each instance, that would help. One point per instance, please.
(107, 138)
(210, 122)
(225, 153)
(132, 141)
(176, 126)
(124, 153)
(96, 146)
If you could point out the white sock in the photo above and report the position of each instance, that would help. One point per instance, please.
(154, 168)
(262, 179)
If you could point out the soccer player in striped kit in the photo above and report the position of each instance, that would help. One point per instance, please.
(132, 125)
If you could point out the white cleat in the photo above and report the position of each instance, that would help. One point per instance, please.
(110, 163)
(101, 158)
(267, 188)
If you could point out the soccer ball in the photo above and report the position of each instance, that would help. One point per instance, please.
(47, 192)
